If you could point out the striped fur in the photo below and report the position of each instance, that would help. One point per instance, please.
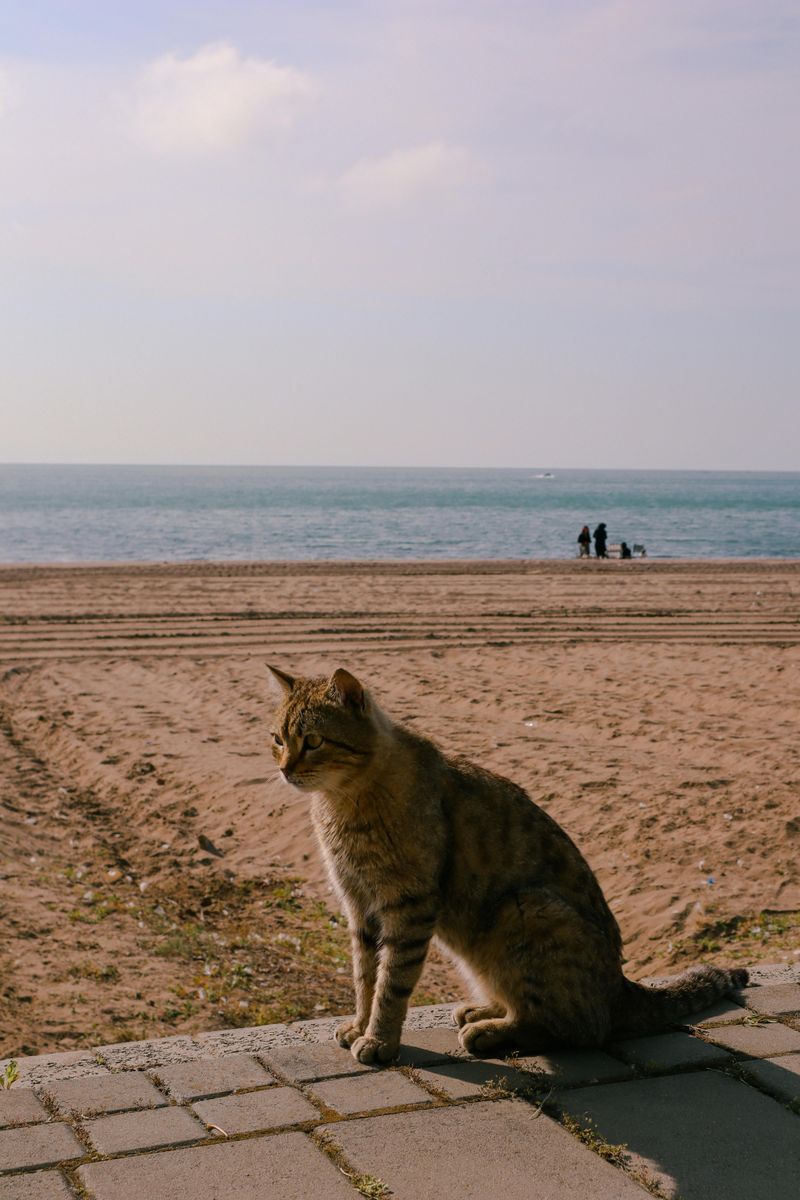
(419, 844)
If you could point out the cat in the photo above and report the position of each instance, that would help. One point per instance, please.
(419, 845)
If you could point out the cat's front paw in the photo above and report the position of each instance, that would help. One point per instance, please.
(348, 1032)
(372, 1050)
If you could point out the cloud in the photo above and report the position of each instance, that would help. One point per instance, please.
(405, 175)
(212, 101)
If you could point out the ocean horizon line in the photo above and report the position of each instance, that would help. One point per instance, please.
(542, 467)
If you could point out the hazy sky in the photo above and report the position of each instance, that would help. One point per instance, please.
(478, 232)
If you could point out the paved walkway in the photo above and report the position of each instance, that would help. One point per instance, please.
(281, 1113)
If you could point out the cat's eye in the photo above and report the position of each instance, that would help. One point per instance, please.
(313, 741)
(277, 739)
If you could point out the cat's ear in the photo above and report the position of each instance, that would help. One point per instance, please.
(345, 688)
(285, 682)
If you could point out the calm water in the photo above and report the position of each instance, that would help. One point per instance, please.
(90, 514)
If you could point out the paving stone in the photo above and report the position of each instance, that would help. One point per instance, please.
(271, 1109)
(454, 1079)
(430, 1016)
(143, 1130)
(700, 1136)
(204, 1077)
(723, 1013)
(41, 1185)
(248, 1041)
(322, 1029)
(305, 1061)
(70, 1064)
(103, 1094)
(669, 1051)
(472, 1077)
(366, 1093)
(286, 1166)
(760, 1041)
(768, 973)
(38, 1146)
(19, 1106)
(478, 1150)
(780, 1076)
(572, 1067)
(128, 1056)
(778, 998)
(423, 1046)
(426, 1016)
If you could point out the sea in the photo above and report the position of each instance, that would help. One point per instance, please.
(83, 514)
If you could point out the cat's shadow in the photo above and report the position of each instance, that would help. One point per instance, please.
(702, 1133)
(731, 1130)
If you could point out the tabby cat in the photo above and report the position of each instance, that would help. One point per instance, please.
(420, 845)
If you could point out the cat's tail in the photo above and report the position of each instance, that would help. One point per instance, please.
(646, 1009)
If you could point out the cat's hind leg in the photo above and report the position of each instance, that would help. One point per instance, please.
(465, 1014)
(489, 1036)
(554, 970)
(483, 1037)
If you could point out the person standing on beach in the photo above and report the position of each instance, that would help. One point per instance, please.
(584, 541)
(600, 541)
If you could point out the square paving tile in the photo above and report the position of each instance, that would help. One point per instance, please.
(367, 1093)
(723, 1013)
(776, 998)
(215, 1076)
(476, 1151)
(143, 1130)
(104, 1094)
(423, 1046)
(670, 1052)
(19, 1106)
(779, 1076)
(760, 1041)
(41, 1185)
(572, 1067)
(309, 1060)
(38, 1146)
(700, 1135)
(473, 1077)
(285, 1166)
(272, 1109)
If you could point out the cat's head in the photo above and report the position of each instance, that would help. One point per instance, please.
(324, 733)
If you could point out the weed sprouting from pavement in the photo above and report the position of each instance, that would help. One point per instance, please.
(9, 1074)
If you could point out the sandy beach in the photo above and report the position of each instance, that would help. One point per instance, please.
(156, 878)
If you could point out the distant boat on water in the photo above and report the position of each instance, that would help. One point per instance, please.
(545, 475)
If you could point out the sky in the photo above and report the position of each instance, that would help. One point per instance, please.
(401, 232)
